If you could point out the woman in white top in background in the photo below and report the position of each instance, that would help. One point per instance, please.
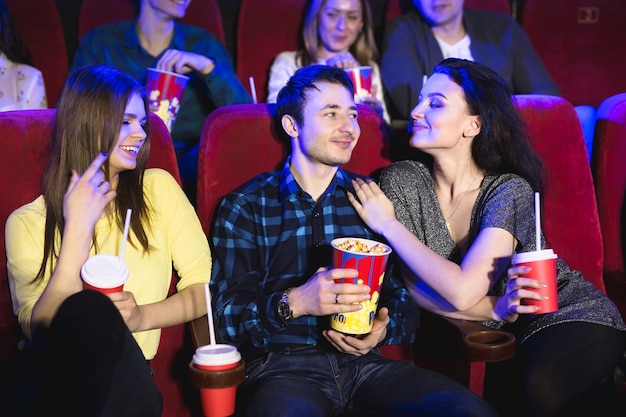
(339, 33)
(21, 84)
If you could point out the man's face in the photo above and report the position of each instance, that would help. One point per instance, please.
(439, 12)
(330, 129)
(173, 8)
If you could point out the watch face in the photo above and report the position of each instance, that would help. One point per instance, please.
(283, 310)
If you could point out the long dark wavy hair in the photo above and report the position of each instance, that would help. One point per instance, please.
(87, 121)
(503, 144)
(363, 49)
(11, 42)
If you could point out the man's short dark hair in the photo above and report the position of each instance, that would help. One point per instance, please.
(292, 96)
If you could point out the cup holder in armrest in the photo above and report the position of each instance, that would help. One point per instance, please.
(489, 345)
(482, 343)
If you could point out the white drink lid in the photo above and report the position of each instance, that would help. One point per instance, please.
(218, 354)
(536, 255)
(104, 271)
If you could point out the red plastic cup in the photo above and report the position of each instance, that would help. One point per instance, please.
(165, 93)
(217, 370)
(543, 269)
(371, 267)
(362, 79)
(104, 273)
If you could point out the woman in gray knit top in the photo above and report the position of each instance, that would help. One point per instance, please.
(455, 218)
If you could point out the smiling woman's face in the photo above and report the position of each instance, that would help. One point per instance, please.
(132, 136)
(441, 119)
(339, 25)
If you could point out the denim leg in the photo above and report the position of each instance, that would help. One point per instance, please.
(282, 385)
(387, 387)
(333, 384)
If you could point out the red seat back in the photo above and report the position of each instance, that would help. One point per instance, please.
(570, 216)
(609, 169)
(201, 13)
(25, 139)
(265, 29)
(39, 24)
(581, 42)
(242, 140)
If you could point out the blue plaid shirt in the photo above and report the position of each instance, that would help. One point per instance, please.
(270, 235)
(117, 45)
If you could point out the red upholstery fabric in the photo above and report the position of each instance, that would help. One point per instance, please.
(201, 13)
(25, 136)
(581, 43)
(395, 8)
(42, 33)
(609, 170)
(242, 140)
(264, 29)
(570, 215)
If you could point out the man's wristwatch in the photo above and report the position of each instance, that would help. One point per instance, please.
(284, 310)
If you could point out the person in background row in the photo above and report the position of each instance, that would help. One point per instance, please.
(339, 33)
(273, 290)
(417, 41)
(455, 218)
(21, 85)
(155, 39)
(100, 344)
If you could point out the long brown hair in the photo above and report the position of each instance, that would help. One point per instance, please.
(87, 121)
(11, 42)
(363, 49)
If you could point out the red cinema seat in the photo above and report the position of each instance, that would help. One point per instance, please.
(581, 42)
(265, 29)
(609, 171)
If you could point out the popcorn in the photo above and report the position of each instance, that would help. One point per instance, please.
(358, 246)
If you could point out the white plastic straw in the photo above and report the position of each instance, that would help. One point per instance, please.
(253, 90)
(537, 222)
(209, 313)
(125, 237)
(358, 87)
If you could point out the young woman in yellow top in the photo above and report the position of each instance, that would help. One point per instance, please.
(102, 139)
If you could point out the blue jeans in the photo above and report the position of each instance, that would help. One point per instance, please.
(314, 383)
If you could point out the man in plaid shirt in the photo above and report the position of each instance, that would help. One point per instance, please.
(273, 290)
